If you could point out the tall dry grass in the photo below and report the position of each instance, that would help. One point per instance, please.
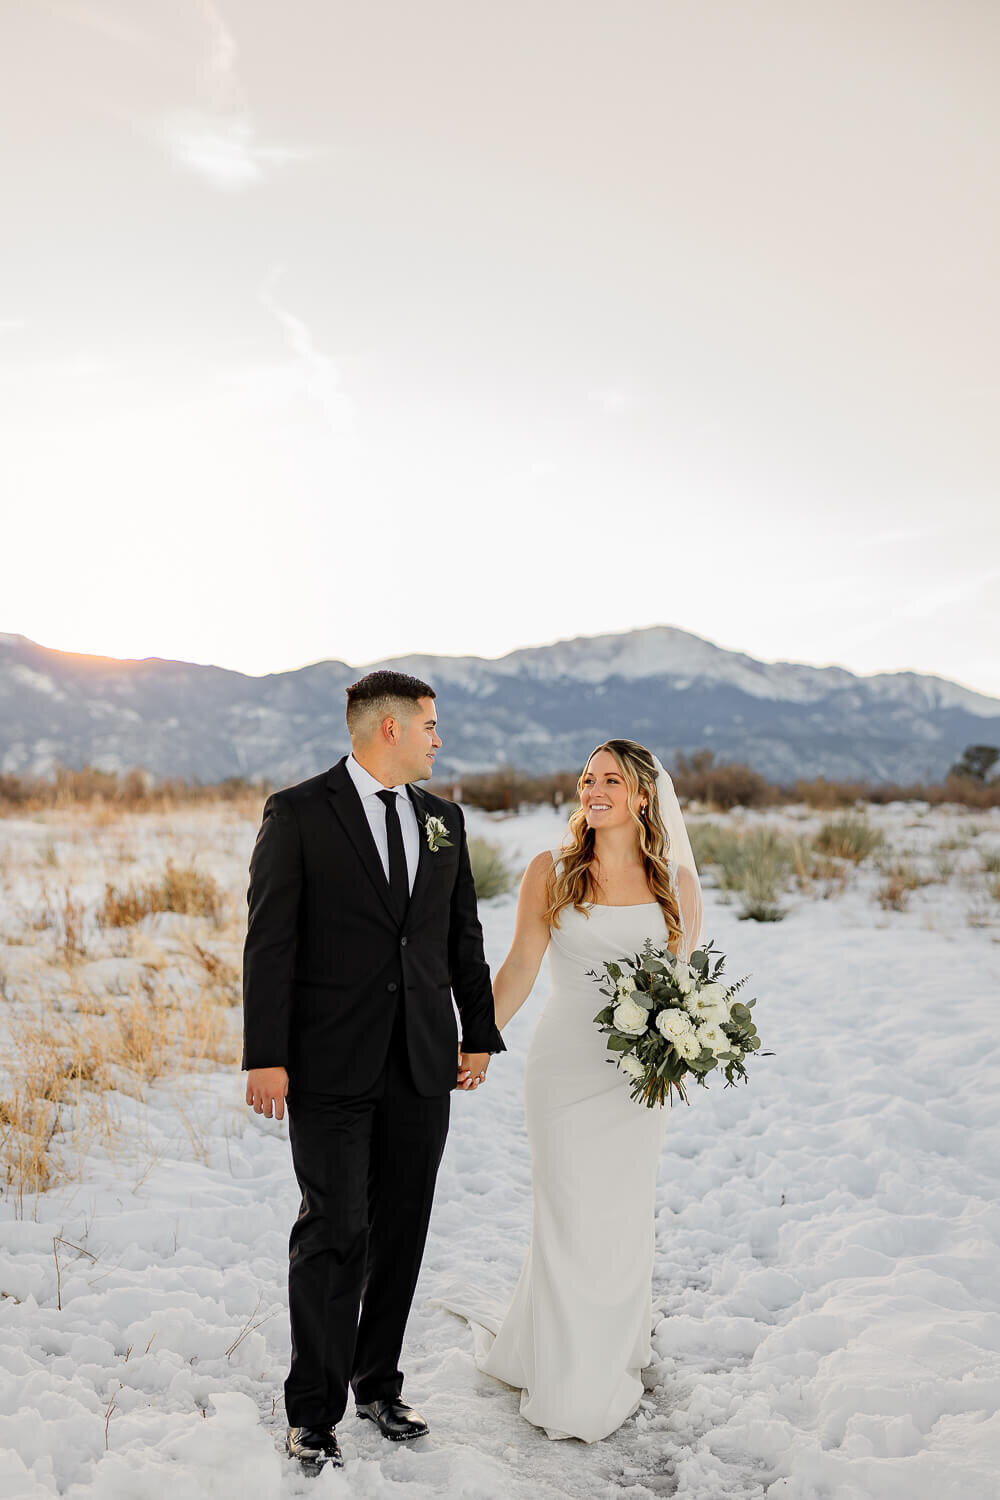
(72, 1042)
(181, 888)
(62, 1065)
(133, 791)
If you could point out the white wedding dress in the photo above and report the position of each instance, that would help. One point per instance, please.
(577, 1333)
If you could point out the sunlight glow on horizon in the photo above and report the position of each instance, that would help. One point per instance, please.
(701, 329)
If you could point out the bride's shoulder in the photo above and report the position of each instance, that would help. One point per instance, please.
(541, 865)
(538, 875)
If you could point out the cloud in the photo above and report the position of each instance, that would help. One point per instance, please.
(216, 139)
(222, 148)
(321, 376)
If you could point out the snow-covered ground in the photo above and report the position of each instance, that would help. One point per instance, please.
(828, 1319)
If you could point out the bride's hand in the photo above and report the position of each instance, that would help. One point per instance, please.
(472, 1068)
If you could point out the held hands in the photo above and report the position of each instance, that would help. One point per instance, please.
(266, 1090)
(472, 1068)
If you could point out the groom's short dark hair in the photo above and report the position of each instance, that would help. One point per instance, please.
(380, 693)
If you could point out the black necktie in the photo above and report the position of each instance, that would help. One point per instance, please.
(399, 880)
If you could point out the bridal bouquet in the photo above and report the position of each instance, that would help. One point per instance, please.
(667, 1018)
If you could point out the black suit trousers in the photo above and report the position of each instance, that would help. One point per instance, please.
(366, 1167)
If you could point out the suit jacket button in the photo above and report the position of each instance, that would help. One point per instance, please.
(403, 942)
(392, 986)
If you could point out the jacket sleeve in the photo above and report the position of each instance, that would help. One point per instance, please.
(272, 928)
(470, 975)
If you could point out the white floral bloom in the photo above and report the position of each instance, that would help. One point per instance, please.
(632, 1066)
(630, 1018)
(709, 1003)
(674, 1024)
(688, 1045)
(684, 977)
(714, 1038)
(714, 1015)
(625, 986)
(714, 992)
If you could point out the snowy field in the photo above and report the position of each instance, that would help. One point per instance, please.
(826, 1284)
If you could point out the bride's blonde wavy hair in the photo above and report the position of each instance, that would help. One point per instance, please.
(572, 882)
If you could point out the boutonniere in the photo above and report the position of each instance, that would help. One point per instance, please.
(436, 831)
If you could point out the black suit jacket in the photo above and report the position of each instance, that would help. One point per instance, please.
(327, 960)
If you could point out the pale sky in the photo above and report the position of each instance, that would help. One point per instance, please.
(350, 330)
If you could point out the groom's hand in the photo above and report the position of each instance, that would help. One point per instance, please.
(472, 1069)
(266, 1090)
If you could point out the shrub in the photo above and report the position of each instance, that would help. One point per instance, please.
(182, 889)
(713, 843)
(755, 864)
(697, 777)
(976, 763)
(849, 837)
(492, 876)
(760, 895)
(904, 873)
(824, 794)
(505, 790)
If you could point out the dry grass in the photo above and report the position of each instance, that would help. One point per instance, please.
(182, 888)
(850, 837)
(62, 1065)
(894, 894)
(111, 794)
(27, 1126)
(78, 1038)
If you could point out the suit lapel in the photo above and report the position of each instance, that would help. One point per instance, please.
(346, 804)
(425, 856)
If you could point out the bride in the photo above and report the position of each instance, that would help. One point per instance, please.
(577, 1333)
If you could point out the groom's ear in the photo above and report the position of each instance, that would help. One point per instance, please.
(389, 730)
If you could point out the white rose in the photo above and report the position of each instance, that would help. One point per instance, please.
(630, 1018)
(625, 986)
(714, 1015)
(714, 993)
(714, 1038)
(673, 1024)
(632, 1066)
(710, 1001)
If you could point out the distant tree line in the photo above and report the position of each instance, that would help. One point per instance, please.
(698, 777)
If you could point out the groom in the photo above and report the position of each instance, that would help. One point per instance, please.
(362, 925)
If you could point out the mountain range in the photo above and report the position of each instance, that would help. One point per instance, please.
(540, 709)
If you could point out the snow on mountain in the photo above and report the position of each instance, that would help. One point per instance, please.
(540, 708)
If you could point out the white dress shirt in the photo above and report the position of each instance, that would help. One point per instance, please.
(368, 789)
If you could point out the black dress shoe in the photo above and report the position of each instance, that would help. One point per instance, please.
(315, 1448)
(396, 1420)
